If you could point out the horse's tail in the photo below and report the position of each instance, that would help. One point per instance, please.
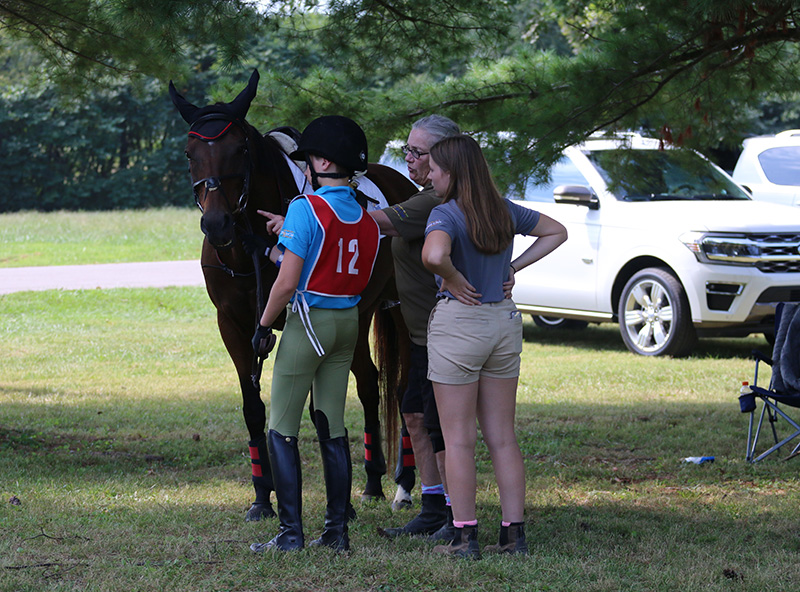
(391, 354)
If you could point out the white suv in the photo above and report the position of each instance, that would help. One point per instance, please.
(663, 242)
(769, 167)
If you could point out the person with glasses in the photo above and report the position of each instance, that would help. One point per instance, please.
(417, 291)
(414, 152)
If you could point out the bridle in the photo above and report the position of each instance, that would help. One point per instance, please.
(215, 183)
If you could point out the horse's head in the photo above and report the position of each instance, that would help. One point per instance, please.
(220, 161)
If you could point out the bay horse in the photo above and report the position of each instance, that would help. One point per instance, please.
(235, 171)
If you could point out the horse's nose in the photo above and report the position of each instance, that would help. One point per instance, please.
(218, 228)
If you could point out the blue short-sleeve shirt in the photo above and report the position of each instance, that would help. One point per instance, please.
(302, 235)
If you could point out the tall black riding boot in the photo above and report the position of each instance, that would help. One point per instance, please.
(262, 481)
(287, 477)
(338, 471)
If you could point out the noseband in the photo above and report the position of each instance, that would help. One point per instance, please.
(215, 183)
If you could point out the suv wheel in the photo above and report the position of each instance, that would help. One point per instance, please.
(558, 323)
(654, 317)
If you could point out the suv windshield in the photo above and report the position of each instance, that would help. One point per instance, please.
(650, 175)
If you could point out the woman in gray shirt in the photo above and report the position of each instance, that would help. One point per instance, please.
(475, 333)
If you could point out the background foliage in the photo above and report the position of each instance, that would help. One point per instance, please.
(85, 122)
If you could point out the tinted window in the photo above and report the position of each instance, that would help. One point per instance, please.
(564, 172)
(636, 175)
(781, 165)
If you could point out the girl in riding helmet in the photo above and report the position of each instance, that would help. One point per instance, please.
(326, 250)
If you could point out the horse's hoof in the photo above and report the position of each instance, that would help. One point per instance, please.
(400, 505)
(402, 499)
(259, 511)
(372, 497)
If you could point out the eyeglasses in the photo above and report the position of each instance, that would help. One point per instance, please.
(413, 151)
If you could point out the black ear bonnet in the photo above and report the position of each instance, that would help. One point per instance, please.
(212, 122)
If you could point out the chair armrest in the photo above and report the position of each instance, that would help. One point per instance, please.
(761, 357)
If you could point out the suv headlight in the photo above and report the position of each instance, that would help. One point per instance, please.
(727, 250)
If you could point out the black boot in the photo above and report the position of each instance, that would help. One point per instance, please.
(262, 481)
(287, 477)
(338, 471)
(464, 544)
(430, 519)
(511, 540)
(446, 532)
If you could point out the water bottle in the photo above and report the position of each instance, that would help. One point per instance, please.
(747, 400)
(699, 460)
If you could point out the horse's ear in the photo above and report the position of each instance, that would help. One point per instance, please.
(187, 110)
(241, 103)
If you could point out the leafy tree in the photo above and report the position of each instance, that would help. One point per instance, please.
(701, 73)
(685, 65)
(121, 147)
(58, 156)
(94, 38)
(692, 73)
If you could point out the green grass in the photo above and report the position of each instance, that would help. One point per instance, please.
(121, 436)
(73, 238)
(123, 463)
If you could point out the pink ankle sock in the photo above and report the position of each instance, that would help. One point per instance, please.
(466, 523)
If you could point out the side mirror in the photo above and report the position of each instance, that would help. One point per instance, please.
(577, 195)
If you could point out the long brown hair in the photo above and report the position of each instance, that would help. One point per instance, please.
(489, 223)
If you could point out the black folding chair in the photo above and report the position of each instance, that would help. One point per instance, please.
(784, 387)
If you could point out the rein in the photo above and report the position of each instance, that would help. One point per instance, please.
(231, 272)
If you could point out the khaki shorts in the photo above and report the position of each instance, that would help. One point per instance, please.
(467, 342)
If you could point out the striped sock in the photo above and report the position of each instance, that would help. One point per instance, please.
(433, 489)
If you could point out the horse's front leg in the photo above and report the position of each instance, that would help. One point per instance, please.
(254, 411)
(239, 346)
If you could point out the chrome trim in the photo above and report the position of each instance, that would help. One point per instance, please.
(739, 288)
(566, 313)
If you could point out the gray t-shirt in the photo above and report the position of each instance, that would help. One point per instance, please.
(485, 272)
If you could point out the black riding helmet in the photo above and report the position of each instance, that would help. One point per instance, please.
(337, 138)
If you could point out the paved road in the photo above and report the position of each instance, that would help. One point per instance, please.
(158, 274)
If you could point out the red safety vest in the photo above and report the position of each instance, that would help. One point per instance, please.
(347, 254)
